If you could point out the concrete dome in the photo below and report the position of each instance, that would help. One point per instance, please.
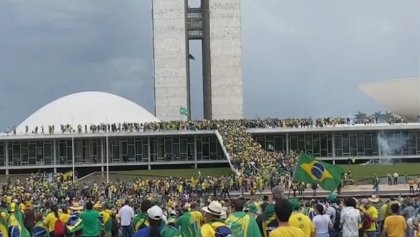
(401, 96)
(87, 108)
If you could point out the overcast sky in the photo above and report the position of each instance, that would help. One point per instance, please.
(301, 58)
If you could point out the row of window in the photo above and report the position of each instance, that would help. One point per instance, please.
(119, 150)
(183, 148)
(373, 143)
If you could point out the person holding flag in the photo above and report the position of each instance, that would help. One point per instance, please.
(310, 170)
(189, 223)
(140, 220)
(15, 222)
(241, 223)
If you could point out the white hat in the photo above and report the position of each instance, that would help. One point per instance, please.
(155, 213)
(374, 198)
(215, 208)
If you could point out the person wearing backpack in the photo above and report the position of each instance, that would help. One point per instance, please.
(157, 228)
(241, 223)
(53, 222)
(214, 226)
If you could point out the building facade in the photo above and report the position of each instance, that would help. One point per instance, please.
(146, 150)
(217, 24)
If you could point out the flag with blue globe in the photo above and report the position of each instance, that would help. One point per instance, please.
(310, 170)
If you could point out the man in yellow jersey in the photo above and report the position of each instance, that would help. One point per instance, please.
(395, 224)
(299, 220)
(366, 207)
(283, 211)
(212, 214)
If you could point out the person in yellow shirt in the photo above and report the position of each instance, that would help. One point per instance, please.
(64, 215)
(283, 210)
(394, 225)
(50, 220)
(300, 220)
(212, 214)
(366, 207)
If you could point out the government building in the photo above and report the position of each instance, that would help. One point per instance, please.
(125, 146)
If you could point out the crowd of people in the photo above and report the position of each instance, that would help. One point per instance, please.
(41, 207)
(212, 124)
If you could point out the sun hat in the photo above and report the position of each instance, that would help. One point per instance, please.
(374, 198)
(364, 201)
(155, 213)
(76, 207)
(214, 208)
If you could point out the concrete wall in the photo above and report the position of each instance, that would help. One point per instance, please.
(222, 69)
(170, 58)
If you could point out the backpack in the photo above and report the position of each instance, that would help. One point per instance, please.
(59, 229)
(222, 231)
(366, 221)
(337, 224)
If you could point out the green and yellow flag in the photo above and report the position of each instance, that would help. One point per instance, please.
(310, 170)
(184, 111)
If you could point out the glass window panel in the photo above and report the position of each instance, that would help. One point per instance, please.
(183, 146)
(206, 150)
(278, 143)
(47, 150)
(130, 152)
(32, 152)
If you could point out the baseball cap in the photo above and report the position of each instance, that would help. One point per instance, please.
(155, 213)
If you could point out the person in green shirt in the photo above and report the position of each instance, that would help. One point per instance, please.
(240, 223)
(91, 221)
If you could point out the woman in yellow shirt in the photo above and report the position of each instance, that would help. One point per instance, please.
(64, 216)
(50, 220)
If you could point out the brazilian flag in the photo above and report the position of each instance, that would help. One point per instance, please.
(40, 230)
(16, 227)
(310, 170)
(3, 228)
(74, 224)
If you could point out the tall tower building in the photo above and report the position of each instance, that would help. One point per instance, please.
(217, 23)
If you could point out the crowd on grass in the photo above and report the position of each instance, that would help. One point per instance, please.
(358, 119)
(41, 207)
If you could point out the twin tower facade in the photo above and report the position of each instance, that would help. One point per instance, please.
(217, 23)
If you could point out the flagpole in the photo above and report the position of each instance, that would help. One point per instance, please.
(107, 152)
(72, 155)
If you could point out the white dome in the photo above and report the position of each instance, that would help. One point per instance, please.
(87, 108)
(402, 96)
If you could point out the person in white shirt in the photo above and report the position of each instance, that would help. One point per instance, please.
(322, 222)
(350, 218)
(126, 214)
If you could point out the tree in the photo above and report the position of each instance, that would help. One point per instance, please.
(360, 117)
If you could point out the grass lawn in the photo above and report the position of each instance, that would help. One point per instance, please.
(360, 172)
(177, 172)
